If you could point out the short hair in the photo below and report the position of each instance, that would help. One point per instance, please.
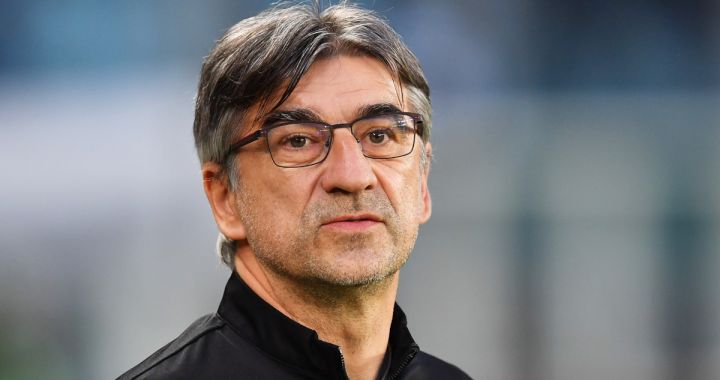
(263, 54)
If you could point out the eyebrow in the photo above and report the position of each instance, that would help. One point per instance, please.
(293, 115)
(307, 115)
(377, 109)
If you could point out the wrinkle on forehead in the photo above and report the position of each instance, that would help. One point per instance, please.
(326, 74)
(337, 87)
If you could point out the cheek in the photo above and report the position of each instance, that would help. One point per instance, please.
(286, 194)
(401, 184)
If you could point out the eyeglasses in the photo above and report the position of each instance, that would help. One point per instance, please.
(294, 144)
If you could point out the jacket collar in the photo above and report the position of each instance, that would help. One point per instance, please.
(296, 345)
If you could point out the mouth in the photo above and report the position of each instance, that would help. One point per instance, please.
(350, 223)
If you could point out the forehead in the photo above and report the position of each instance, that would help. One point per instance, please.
(337, 87)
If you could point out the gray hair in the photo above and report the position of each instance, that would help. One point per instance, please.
(262, 54)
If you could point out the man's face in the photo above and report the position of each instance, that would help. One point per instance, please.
(349, 220)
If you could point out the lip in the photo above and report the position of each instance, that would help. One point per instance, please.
(355, 222)
(354, 218)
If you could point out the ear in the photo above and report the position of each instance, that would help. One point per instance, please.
(425, 192)
(222, 202)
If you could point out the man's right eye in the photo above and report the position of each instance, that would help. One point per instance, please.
(297, 141)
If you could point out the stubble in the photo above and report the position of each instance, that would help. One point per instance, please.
(305, 254)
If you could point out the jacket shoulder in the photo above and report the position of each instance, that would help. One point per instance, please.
(426, 366)
(195, 331)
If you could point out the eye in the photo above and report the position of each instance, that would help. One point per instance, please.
(297, 141)
(378, 136)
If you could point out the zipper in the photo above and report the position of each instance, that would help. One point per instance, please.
(403, 365)
(342, 363)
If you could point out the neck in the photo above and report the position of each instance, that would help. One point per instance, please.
(355, 318)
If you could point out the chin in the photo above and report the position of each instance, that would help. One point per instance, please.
(355, 280)
(358, 272)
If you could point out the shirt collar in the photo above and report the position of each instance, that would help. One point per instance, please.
(298, 346)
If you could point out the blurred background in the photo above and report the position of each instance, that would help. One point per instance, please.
(576, 227)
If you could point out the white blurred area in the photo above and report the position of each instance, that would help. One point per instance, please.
(575, 232)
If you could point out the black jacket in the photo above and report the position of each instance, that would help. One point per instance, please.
(249, 339)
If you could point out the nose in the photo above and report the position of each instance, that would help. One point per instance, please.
(346, 169)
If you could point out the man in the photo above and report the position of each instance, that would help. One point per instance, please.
(313, 130)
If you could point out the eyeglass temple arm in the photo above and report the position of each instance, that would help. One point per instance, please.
(243, 141)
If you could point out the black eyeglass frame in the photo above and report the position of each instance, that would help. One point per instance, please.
(263, 132)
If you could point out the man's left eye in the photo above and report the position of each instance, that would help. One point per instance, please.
(378, 136)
